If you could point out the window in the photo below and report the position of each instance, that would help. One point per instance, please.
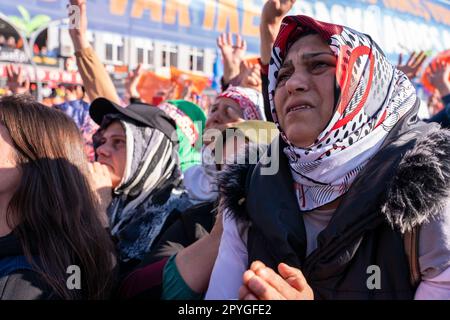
(174, 59)
(120, 53)
(150, 57)
(191, 62)
(164, 60)
(196, 62)
(144, 51)
(140, 55)
(114, 48)
(109, 51)
(169, 56)
(200, 66)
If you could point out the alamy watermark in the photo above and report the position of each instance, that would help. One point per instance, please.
(73, 282)
(74, 14)
(374, 280)
(233, 147)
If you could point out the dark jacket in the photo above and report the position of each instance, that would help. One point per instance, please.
(191, 225)
(145, 282)
(443, 116)
(18, 281)
(402, 186)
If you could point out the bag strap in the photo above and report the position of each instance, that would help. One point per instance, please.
(411, 243)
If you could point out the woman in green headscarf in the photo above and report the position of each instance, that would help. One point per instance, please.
(190, 120)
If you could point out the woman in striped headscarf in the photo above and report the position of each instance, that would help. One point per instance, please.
(137, 146)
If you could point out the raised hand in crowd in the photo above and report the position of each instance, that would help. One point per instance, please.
(17, 81)
(73, 93)
(272, 13)
(187, 93)
(262, 283)
(132, 82)
(78, 29)
(440, 77)
(170, 93)
(413, 65)
(232, 53)
(88, 62)
(101, 184)
(185, 85)
(249, 76)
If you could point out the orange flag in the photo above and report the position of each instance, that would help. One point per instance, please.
(152, 85)
(252, 60)
(188, 81)
(154, 88)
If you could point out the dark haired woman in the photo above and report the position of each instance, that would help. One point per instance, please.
(50, 228)
(139, 147)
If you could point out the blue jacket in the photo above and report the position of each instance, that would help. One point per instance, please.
(9, 265)
(78, 110)
(18, 280)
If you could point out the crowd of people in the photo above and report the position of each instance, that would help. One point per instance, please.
(309, 168)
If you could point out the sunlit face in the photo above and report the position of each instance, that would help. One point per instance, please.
(10, 172)
(222, 112)
(304, 96)
(112, 151)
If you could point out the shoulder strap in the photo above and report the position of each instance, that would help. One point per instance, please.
(411, 243)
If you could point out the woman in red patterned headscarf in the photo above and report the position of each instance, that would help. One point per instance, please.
(359, 179)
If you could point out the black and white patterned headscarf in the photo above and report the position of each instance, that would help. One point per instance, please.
(374, 95)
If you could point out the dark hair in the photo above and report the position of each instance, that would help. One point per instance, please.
(54, 211)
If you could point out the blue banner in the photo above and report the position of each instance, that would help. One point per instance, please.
(396, 25)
